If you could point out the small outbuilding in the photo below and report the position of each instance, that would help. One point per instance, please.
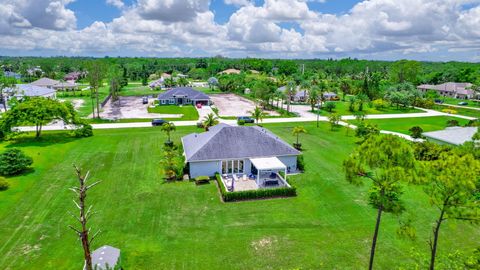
(105, 257)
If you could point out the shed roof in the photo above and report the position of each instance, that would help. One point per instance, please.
(184, 91)
(453, 135)
(105, 256)
(228, 142)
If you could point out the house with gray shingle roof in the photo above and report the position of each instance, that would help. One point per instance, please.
(28, 90)
(105, 257)
(450, 89)
(183, 96)
(452, 135)
(239, 151)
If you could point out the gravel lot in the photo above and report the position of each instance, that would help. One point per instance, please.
(129, 108)
(234, 105)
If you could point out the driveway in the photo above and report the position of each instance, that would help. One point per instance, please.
(204, 111)
(130, 108)
(234, 105)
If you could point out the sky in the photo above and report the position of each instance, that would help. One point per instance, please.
(429, 30)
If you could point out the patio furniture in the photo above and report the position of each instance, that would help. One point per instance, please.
(244, 177)
(271, 182)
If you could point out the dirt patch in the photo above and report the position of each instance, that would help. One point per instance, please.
(263, 244)
(131, 107)
(234, 105)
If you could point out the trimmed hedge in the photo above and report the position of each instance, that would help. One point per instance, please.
(254, 194)
(202, 180)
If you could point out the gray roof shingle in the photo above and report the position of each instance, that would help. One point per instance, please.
(105, 256)
(29, 90)
(184, 91)
(229, 142)
(453, 135)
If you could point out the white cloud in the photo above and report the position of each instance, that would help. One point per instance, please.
(188, 28)
(238, 2)
(116, 3)
(171, 10)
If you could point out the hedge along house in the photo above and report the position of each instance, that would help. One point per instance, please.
(247, 158)
(183, 96)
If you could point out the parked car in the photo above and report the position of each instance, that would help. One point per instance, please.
(158, 122)
(463, 103)
(438, 101)
(246, 119)
(145, 100)
(199, 105)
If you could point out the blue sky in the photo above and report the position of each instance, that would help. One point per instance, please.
(433, 30)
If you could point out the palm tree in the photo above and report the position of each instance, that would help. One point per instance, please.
(258, 114)
(291, 89)
(168, 128)
(209, 121)
(313, 97)
(296, 132)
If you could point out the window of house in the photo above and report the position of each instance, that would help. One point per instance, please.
(172, 101)
(164, 101)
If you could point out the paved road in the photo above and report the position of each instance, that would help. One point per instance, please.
(305, 118)
(458, 106)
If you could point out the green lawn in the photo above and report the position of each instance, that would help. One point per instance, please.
(184, 226)
(455, 101)
(342, 109)
(189, 112)
(138, 90)
(461, 111)
(85, 109)
(402, 125)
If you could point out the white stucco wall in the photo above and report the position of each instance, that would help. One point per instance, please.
(289, 161)
(208, 168)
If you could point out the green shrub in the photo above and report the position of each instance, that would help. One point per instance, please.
(379, 104)
(14, 161)
(3, 184)
(416, 132)
(83, 131)
(254, 194)
(452, 123)
(300, 163)
(202, 180)
(241, 122)
(329, 106)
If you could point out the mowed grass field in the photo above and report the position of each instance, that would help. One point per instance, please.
(189, 112)
(179, 225)
(341, 108)
(403, 125)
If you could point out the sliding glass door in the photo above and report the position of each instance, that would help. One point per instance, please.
(232, 166)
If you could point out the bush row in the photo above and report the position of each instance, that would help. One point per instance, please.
(254, 194)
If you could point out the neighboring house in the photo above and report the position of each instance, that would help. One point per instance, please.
(300, 95)
(157, 83)
(452, 135)
(450, 89)
(10, 74)
(199, 84)
(239, 151)
(35, 71)
(183, 96)
(28, 90)
(54, 84)
(74, 76)
(330, 96)
(105, 257)
(231, 71)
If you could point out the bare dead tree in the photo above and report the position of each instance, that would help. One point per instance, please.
(84, 215)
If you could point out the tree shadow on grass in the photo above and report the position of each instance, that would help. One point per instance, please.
(26, 172)
(47, 139)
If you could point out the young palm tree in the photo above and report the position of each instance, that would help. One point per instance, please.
(291, 89)
(168, 128)
(296, 132)
(209, 121)
(258, 114)
(313, 97)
